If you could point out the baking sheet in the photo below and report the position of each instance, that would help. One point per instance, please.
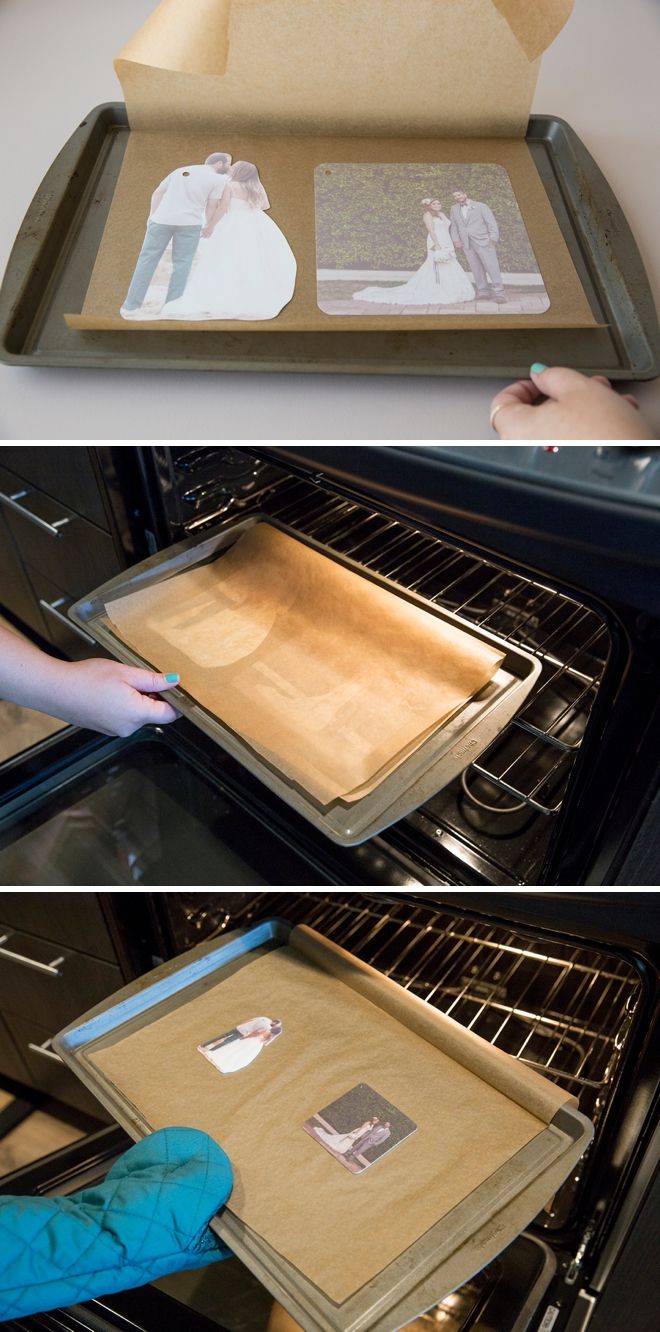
(453, 1249)
(330, 677)
(334, 1038)
(296, 68)
(58, 242)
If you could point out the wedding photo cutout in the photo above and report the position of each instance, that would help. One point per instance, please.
(210, 251)
(424, 239)
(359, 1128)
(237, 1048)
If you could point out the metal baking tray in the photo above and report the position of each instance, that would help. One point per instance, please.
(432, 765)
(446, 1256)
(53, 256)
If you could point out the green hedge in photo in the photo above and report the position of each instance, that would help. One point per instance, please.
(371, 216)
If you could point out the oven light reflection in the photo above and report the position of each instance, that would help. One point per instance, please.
(448, 1316)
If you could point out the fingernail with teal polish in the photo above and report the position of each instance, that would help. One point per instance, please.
(537, 368)
(172, 678)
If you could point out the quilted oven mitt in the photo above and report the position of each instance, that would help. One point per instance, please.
(148, 1218)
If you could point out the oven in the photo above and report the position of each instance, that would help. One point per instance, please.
(557, 553)
(567, 983)
(555, 550)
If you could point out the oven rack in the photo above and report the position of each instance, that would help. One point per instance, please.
(564, 1009)
(532, 760)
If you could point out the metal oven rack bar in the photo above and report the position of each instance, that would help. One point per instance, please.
(532, 760)
(565, 1009)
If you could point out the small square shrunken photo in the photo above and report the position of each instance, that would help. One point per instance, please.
(359, 1128)
(423, 239)
(238, 1048)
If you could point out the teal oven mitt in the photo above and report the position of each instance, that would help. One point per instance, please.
(148, 1218)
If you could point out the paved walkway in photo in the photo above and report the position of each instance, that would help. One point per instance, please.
(336, 297)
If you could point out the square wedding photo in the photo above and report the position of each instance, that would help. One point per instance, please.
(359, 1128)
(423, 239)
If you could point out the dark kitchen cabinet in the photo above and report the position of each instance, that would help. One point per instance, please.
(16, 594)
(55, 539)
(11, 1064)
(47, 1072)
(75, 919)
(62, 633)
(64, 472)
(57, 959)
(50, 982)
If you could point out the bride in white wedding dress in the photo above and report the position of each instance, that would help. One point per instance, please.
(440, 280)
(245, 267)
(342, 1142)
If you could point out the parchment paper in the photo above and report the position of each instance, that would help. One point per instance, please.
(512, 1078)
(338, 1229)
(333, 67)
(282, 83)
(287, 165)
(328, 676)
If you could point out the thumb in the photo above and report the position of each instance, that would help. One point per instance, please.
(556, 381)
(150, 682)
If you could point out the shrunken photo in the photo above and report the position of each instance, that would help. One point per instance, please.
(423, 239)
(210, 251)
(359, 1128)
(239, 1047)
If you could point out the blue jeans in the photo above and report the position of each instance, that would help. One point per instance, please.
(184, 247)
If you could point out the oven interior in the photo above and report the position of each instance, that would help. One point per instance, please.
(494, 824)
(568, 1009)
(565, 1009)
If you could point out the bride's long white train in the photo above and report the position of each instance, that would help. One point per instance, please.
(439, 281)
(339, 1142)
(246, 270)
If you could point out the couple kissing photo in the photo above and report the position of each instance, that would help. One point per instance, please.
(210, 251)
(441, 239)
(240, 1046)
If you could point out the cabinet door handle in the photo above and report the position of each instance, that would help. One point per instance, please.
(45, 1050)
(52, 608)
(50, 968)
(12, 503)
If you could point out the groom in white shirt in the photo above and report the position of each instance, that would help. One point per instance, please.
(177, 214)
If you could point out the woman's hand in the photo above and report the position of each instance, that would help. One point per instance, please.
(110, 697)
(557, 403)
(103, 695)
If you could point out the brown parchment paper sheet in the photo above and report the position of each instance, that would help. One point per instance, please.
(337, 1229)
(339, 67)
(287, 165)
(513, 1079)
(327, 675)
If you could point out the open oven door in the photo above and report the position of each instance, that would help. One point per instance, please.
(226, 1297)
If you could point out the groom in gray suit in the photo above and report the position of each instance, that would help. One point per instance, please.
(473, 229)
(372, 1137)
